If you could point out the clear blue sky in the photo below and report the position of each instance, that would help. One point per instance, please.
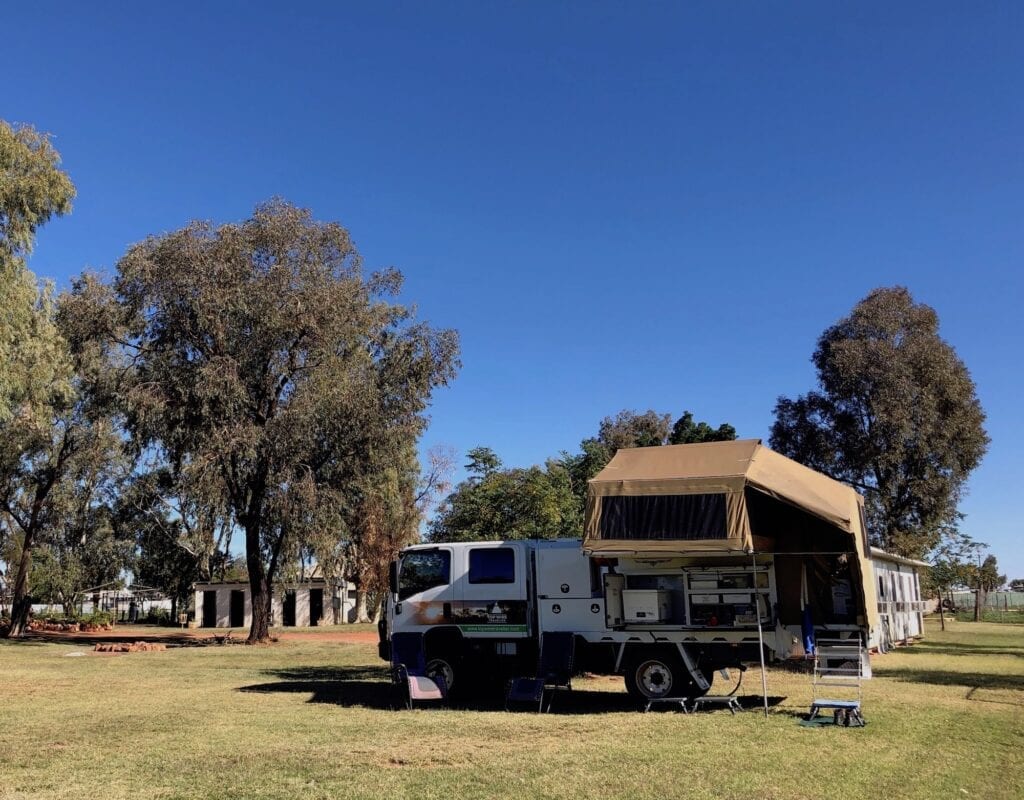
(618, 205)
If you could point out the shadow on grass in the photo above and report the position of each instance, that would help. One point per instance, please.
(962, 649)
(366, 687)
(979, 680)
(21, 642)
(113, 637)
(370, 687)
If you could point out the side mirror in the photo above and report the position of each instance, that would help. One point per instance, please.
(393, 577)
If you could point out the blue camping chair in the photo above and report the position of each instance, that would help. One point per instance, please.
(554, 671)
(409, 671)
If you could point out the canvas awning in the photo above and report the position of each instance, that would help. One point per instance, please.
(692, 497)
(727, 498)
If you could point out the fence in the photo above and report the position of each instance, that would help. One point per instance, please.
(993, 600)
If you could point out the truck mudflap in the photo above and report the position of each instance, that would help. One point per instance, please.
(691, 666)
(383, 642)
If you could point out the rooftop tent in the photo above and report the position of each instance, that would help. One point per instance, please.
(722, 498)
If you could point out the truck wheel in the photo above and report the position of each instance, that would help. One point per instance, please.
(653, 677)
(661, 675)
(443, 666)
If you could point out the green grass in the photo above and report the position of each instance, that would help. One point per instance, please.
(1013, 615)
(305, 719)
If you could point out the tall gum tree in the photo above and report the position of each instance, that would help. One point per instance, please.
(261, 354)
(896, 416)
(35, 371)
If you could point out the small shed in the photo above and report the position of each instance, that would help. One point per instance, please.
(312, 602)
(900, 606)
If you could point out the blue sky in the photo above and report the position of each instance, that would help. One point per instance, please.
(642, 205)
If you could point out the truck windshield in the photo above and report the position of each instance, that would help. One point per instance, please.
(423, 569)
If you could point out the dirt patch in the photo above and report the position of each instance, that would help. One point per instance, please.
(344, 637)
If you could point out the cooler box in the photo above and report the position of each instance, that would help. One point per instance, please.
(646, 605)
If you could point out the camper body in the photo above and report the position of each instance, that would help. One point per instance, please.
(694, 558)
(666, 624)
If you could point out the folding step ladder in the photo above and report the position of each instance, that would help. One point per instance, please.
(838, 674)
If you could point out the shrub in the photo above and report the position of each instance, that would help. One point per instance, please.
(158, 616)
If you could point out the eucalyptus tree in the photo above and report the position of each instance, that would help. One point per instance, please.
(33, 189)
(262, 357)
(896, 415)
(55, 477)
(35, 370)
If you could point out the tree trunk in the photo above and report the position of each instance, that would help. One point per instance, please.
(361, 615)
(22, 603)
(942, 616)
(977, 602)
(260, 587)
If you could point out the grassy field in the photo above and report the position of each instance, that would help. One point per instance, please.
(312, 719)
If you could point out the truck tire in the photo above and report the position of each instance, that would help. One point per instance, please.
(444, 666)
(662, 673)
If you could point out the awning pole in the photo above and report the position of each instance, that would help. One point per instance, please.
(760, 640)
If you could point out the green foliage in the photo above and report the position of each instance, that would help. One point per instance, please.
(267, 370)
(181, 527)
(159, 616)
(46, 438)
(548, 503)
(483, 461)
(97, 618)
(32, 190)
(631, 429)
(896, 416)
(987, 575)
(32, 187)
(950, 563)
(532, 503)
(686, 431)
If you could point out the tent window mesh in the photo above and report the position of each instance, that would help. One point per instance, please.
(673, 516)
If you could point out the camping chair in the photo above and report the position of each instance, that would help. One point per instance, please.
(554, 671)
(409, 673)
(838, 672)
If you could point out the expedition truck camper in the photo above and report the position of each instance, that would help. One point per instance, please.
(695, 558)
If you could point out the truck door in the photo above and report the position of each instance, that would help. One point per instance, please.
(492, 595)
(426, 593)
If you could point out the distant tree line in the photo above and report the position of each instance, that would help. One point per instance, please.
(547, 502)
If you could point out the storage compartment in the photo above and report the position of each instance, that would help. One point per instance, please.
(647, 605)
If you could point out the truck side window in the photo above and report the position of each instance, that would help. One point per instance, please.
(492, 565)
(422, 570)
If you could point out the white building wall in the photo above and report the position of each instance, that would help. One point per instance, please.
(900, 606)
(302, 607)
